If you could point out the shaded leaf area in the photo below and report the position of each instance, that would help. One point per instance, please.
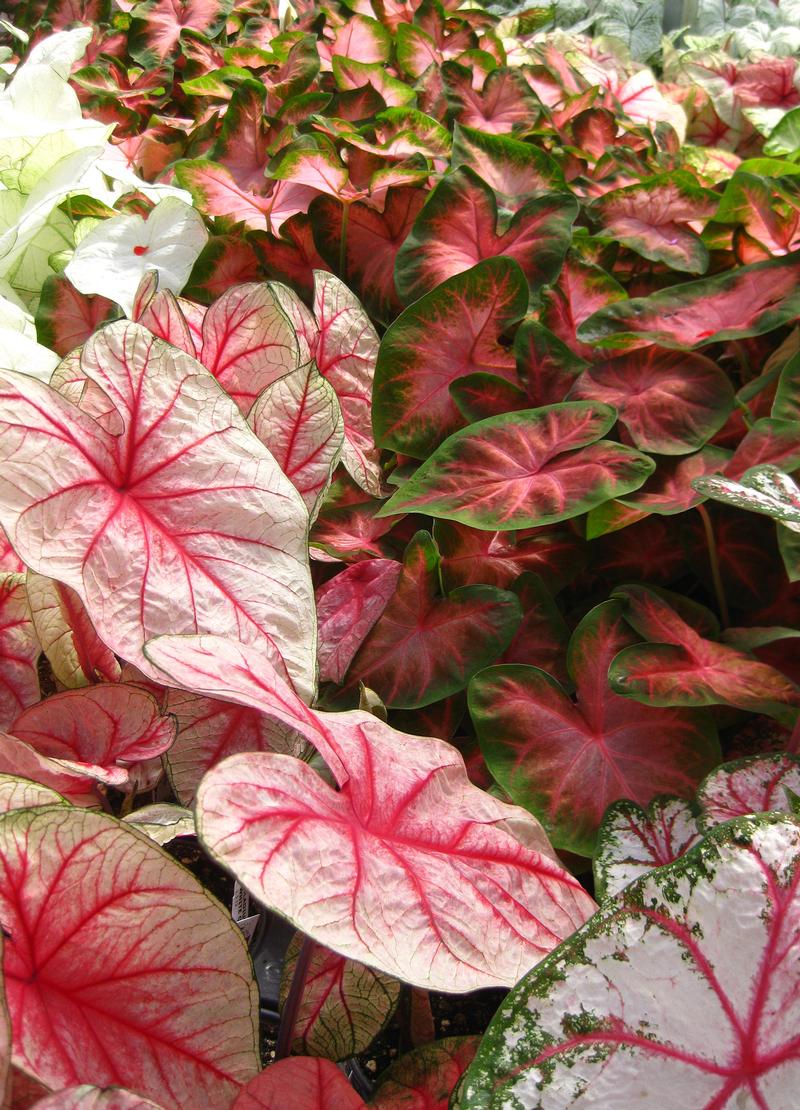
(426, 1077)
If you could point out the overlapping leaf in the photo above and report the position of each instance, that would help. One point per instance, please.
(756, 785)
(633, 840)
(19, 650)
(347, 608)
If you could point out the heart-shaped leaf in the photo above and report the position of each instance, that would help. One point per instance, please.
(19, 650)
(515, 170)
(347, 608)
(94, 912)
(66, 318)
(632, 841)
(75, 652)
(594, 1023)
(567, 763)
(759, 784)
(302, 1082)
(405, 817)
(425, 1078)
(180, 506)
(524, 469)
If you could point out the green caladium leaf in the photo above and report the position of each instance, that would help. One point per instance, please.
(513, 169)
(524, 469)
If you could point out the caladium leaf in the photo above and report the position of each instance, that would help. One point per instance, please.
(162, 315)
(162, 822)
(378, 830)
(749, 300)
(759, 784)
(632, 841)
(471, 555)
(458, 228)
(167, 526)
(87, 1097)
(593, 1022)
(425, 1078)
(680, 666)
(344, 1005)
(74, 651)
(216, 192)
(425, 647)
(480, 395)
(504, 103)
(524, 469)
(141, 925)
(515, 170)
(449, 333)
(66, 318)
(347, 608)
(671, 489)
(543, 634)
(19, 650)
(298, 418)
(769, 442)
(567, 763)
(582, 291)
(305, 1082)
(671, 402)
(158, 25)
(17, 793)
(546, 365)
(763, 489)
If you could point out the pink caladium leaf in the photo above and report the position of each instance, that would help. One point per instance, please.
(764, 209)
(87, 1097)
(10, 562)
(347, 608)
(19, 793)
(19, 650)
(5, 1041)
(568, 762)
(159, 23)
(525, 469)
(78, 785)
(632, 841)
(304, 1082)
(543, 635)
(168, 526)
(763, 489)
(425, 1078)
(216, 192)
(425, 647)
(769, 442)
(449, 333)
(652, 217)
(504, 103)
(513, 169)
(479, 862)
(458, 228)
(470, 555)
(348, 529)
(671, 402)
(141, 926)
(581, 291)
(671, 488)
(299, 419)
(107, 728)
(681, 666)
(747, 301)
(545, 364)
(344, 1006)
(162, 315)
(480, 395)
(66, 318)
(758, 784)
(243, 143)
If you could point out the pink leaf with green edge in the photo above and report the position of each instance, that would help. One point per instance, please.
(764, 489)
(671, 402)
(351, 75)
(470, 555)
(515, 170)
(545, 364)
(344, 1006)
(480, 395)
(209, 730)
(567, 763)
(243, 143)
(298, 418)
(108, 727)
(226, 260)
(504, 103)
(747, 301)
(425, 1078)
(594, 1023)
(248, 342)
(405, 818)
(19, 650)
(449, 333)
(17, 793)
(304, 1082)
(651, 219)
(164, 318)
(372, 240)
(78, 786)
(633, 841)
(524, 469)
(671, 488)
(768, 442)
(402, 133)
(425, 647)
(679, 666)
(786, 405)
(168, 526)
(86, 1097)
(764, 209)
(760, 784)
(66, 318)
(157, 26)
(543, 635)
(458, 227)
(216, 193)
(74, 651)
(349, 530)
(581, 290)
(95, 910)
(313, 161)
(360, 37)
(347, 608)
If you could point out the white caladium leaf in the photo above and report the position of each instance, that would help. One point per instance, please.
(17, 793)
(632, 841)
(162, 822)
(120, 969)
(19, 650)
(681, 992)
(758, 784)
(75, 652)
(763, 489)
(477, 896)
(19, 349)
(183, 522)
(113, 257)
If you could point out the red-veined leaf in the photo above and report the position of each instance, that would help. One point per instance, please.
(671, 488)
(66, 318)
(632, 841)
(504, 103)
(302, 1082)
(581, 290)
(348, 529)
(225, 260)
(86, 1097)
(19, 793)
(10, 562)
(78, 785)
(471, 555)
(74, 650)
(347, 608)
(169, 526)
(216, 193)
(405, 818)
(543, 634)
(763, 209)
(162, 316)
(760, 784)
(19, 650)
(567, 763)
(96, 912)
(449, 333)
(344, 1004)
(546, 365)
(514, 170)
(769, 442)
(480, 395)
(425, 1078)
(525, 469)
(158, 26)
(425, 647)
(243, 143)
(594, 1023)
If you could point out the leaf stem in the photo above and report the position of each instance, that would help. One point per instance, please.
(343, 242)
(713, 559)
(292, 1005)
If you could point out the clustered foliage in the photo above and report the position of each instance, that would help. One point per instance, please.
(399, 407)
